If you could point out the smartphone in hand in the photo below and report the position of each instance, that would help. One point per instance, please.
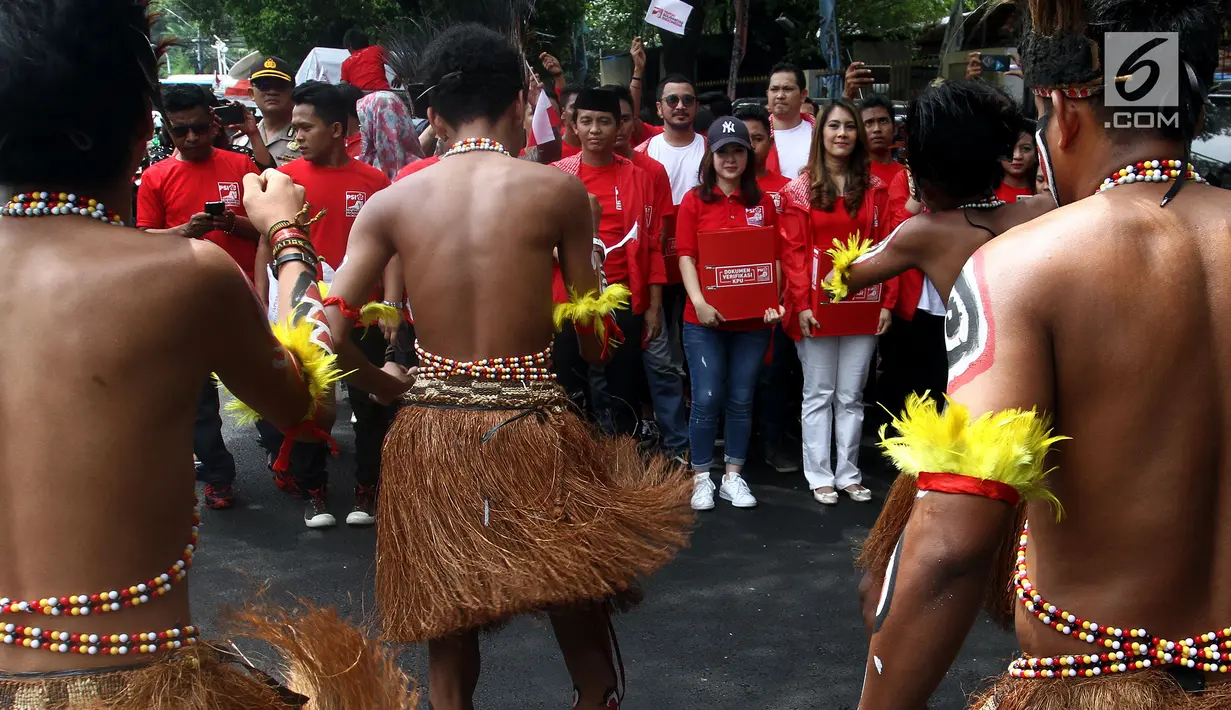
(215, 209)
(230, 114)
(996, 62)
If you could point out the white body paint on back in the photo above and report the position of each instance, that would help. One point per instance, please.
(893, 562)
(966, 331)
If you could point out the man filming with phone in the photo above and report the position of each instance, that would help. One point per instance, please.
(198, 193)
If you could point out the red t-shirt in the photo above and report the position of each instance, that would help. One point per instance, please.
(365, 69)
(568, 151)
(664, 206)
(416, 167)
(341, 192)
(695, 215)
(887, 171)
(354, 145)
(1010, 194)
(173, 190)
(603, 184)
(772, 184)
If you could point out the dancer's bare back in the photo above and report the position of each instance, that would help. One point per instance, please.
(1112, 313)
(475, 234)
(110, 335)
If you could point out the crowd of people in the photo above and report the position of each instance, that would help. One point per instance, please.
(537, 358)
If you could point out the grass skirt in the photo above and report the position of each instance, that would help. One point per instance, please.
(874, 554)
(497, 499)
(1138, 690)
(328, 664)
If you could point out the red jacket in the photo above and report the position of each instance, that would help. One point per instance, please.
(645, 257)
(910, 283)
(804, 260)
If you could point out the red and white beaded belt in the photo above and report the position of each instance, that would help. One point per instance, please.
(522, 367)
(1119, 649)
(101, 603)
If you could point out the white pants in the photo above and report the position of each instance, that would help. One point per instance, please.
(835, 371)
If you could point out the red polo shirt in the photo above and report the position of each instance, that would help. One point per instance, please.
(365, 69)
(664, 208)
(173, 190)
(354, 145)
(341, 192)
(727, 212)
(887, 171)
(1010, 194)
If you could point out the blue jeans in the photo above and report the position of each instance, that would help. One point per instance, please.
(724, 366)
(664, 370)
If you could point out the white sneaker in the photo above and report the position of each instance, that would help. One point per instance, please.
(736, 490)
(702, 492)
(830, 498)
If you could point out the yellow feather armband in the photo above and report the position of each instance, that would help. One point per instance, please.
(379, 314)
(589, 312)
(318, 367)
(844, 255)
(999, 455)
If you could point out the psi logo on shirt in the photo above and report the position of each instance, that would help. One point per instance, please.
(755, 215)
(228, 193)
(354, 203)
(777, 198)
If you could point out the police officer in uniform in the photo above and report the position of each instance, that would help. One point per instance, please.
(271, 90)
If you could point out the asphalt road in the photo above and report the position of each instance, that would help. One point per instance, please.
(761, 612)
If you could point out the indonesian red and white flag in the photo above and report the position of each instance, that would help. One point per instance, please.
(544, 123)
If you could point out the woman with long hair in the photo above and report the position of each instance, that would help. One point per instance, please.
(837, 198)
(724, 356)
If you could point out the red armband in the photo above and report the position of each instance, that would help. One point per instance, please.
(307, 428)
(968, 485)
(352, 314)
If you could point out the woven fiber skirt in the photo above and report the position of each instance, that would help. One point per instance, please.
(497, 499)
(327, 665)
(1139, 690)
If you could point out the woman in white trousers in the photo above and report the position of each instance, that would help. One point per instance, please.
(836, 198)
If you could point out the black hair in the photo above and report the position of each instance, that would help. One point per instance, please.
(185, 97)
(622, 93)
(749, 189)
(473, 73)
(705, 118)
(50, 135)
(957, 133)
(569, 90)
(717, 102)
(355, 38)
(1025, 125)
(876, 101)
(782, 68)
(351, 95)
(674, 79)
(753, 112)
(1057, 50)
(327, 100)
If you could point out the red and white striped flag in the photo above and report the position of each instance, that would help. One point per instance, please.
(545, 122)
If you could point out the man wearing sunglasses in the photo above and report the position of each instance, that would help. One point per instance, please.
(271, 90)
(173, 201)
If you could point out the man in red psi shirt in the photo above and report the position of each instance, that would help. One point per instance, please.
(172, 201)
(365, 67)
(339, 185)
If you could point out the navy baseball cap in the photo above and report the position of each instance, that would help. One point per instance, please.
(727, 130)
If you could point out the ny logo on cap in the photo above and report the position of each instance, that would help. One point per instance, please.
(728, 127)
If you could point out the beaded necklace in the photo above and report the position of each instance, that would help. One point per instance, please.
(989, 203)
(470, 145)
(1122, 649)
(54, 204)
(1149, 171)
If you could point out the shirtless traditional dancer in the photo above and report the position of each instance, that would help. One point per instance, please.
(957, 132)
(496, 498)
(101, 381)
(1106, 314)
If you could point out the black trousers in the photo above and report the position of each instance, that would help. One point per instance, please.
(309, 461)
(618, 388)
(913, 360)
(218, 466)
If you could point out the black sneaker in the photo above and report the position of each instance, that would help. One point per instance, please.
(781, 462)
(364, 512)
(316, 514)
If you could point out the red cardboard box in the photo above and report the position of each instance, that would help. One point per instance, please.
(738, 271)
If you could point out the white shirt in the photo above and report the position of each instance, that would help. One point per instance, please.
(929, 299)
(793, 145)
(683, 164)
